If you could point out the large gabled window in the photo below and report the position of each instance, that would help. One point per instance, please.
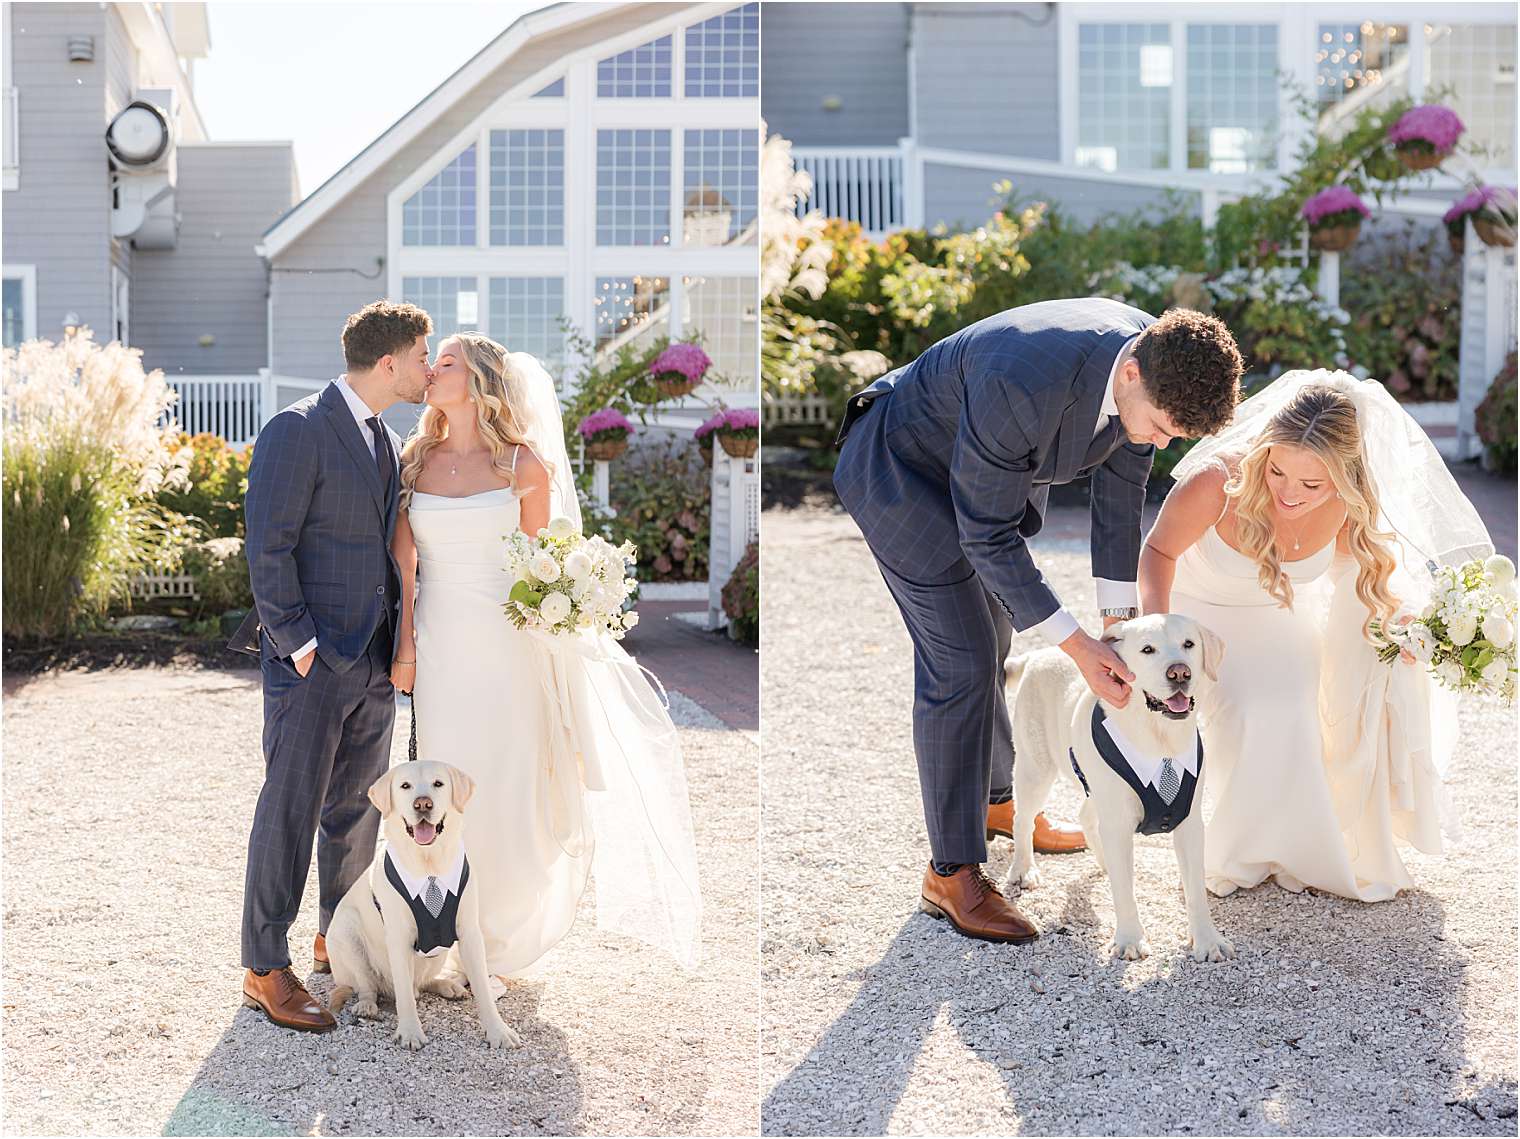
(443, 211)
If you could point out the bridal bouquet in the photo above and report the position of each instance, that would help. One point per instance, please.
(566, 583)
(1466, 634)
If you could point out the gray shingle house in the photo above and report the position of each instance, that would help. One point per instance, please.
(908, 115)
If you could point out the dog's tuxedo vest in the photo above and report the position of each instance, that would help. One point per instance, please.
(433, 933)
(1160, 816)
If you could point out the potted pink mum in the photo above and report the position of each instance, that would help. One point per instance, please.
(1335, 218)
(738, 432)
(1425, 135)
(679, 369)
(1492, 209)
(704, 437)
(606, 434)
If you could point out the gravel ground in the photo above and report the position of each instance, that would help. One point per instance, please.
(128, 796)
(1336, 1019)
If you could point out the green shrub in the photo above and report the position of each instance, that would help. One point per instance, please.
(218, 475)
(1403, 290)
(84, 457)
(1496, 418)
(741, 597)
(660, 492)
(220, 570)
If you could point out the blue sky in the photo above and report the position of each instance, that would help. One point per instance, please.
(331, 76)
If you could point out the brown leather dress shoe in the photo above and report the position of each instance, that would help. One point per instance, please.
(319, 962)
(285, 1000)
(1049, 837)
(970, 902)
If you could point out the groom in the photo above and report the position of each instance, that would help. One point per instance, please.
(321, 512)
(946, 465)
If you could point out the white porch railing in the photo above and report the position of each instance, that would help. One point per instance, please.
(809, 409)
(735, 523)
(863, 183)
(234, 407)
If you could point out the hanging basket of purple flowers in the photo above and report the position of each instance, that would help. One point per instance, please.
(679, 369)
(1425, 135)
(606, 434)
(738, 432)
(1335, 218)
(1492, 209)
(704, 437)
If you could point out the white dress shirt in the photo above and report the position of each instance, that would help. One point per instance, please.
(1148, 767)
(1111, 594)
(362, 415)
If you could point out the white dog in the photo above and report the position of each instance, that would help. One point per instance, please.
(1119, 752)
(392, 930)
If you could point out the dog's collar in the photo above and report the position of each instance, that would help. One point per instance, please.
(416, 884)
(1146, 766)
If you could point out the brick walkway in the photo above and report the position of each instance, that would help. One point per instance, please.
(719, 674)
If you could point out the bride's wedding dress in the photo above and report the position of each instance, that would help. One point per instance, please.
(1321, 757)
(577, 766)
(478, 706)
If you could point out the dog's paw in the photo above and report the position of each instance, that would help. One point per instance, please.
(446, 987)
(1213, 947)
(1129, 948)
(502, 1037)
(411, 1036)
(1027, 879)
(365, 1006)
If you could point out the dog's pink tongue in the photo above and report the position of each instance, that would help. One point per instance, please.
(424, 833)
(1178, 702)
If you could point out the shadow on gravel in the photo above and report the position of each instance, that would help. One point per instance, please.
(1228, 1057)
(356, 1080)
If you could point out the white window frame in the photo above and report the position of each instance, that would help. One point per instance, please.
(580, 113)
(27, 275)
(121, 305)
(1296, 39)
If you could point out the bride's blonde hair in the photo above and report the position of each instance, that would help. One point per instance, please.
(500, 395)
(1323, 422)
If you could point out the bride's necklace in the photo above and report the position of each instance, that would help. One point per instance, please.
(1294, 534)
(454, 458)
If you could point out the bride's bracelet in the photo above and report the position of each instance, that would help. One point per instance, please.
(403, 662)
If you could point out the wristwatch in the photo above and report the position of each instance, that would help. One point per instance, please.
(1128, 613)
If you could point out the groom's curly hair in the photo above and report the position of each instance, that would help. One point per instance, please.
(382, 328)
(1191, 368)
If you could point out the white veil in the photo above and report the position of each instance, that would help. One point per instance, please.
(611, 734)
(1420, 502)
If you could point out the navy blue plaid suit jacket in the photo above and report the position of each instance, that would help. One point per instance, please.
(956, 458)
(320, 524)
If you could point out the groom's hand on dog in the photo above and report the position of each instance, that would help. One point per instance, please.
(1101, 667)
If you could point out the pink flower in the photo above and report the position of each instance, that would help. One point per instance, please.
(686, 359)
(607, 419)
(1330, 201)
(708, 426)
(1500, 198)
(739, 419)
(1432, 123)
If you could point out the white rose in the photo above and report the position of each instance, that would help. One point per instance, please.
(1422, 642)
(554, 608)
(600, 598)
(584, 620)
(1495, 673)
(1462, 627)
(544, 567)
(1450, 673)
(579, 589)
(578, 566)
(1502, 568)
(630, 619)
(1498, 632)
(561, 527)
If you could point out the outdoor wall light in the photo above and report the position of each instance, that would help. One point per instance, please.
(832, 102)
(207, 340)
(71, 322)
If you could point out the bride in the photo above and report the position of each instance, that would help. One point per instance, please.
(576, 763)
(1317, 514)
